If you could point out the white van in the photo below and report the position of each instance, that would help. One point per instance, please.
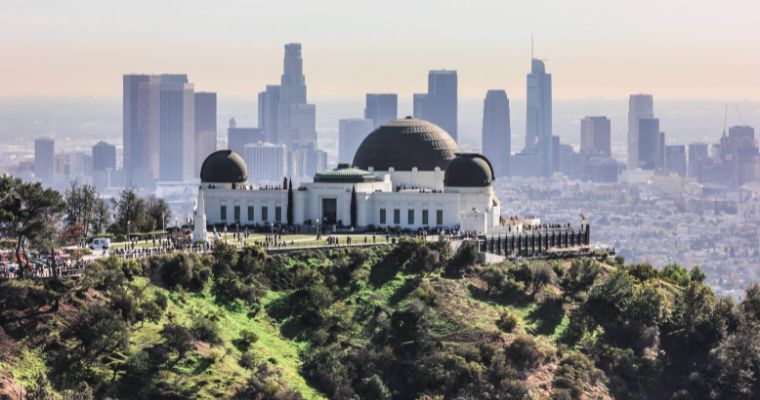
(100, 244)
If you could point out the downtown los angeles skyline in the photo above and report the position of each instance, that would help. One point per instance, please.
(596, 50)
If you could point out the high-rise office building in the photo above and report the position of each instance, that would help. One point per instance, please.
(595, 136)
(205, 127)
(381, 108)
(177, 129)
(266, 162)
(496, 139)
(675, 159)
(44, 160)
(439, 104)
(351, 133)
(293, 110)
(698, 154)
(639, 106)
(140, 129)
(238, 137)
(648, 139)
(158, 128)
(269, 117)
(538, 129)
(305, 160)
(103, 157)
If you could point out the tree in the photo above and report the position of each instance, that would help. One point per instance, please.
(130, 211)
(290, 203)
(157, 211)
(353, 207)
(29, 213)
(101, 216)
(80, 206)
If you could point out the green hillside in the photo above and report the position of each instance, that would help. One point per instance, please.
(412, 321)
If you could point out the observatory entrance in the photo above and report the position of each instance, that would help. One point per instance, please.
(329, 211)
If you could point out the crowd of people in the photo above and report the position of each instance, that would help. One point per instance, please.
(43, 268)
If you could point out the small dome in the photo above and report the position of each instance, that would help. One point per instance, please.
(404, 144)
(469, 170)
(224, 166)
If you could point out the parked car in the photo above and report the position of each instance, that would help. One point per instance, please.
(100, 244)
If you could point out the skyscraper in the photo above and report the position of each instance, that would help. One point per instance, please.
(648, 139)
(103, 157)
(238, 137)
(595, 136)
(293, 110)
(439, 104)
(177, 129)
(675, 159)
(351, 133)
(44, 160)
(269, 109)
(205, 127)
(496, 139)
(538, 133)
(639, 106)
(266, 162)
(381, 108)
(140, 129)
(697, 155)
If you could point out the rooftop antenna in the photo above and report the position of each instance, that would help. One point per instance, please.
(531, 46)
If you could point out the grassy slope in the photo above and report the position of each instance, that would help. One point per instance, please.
(225, 375)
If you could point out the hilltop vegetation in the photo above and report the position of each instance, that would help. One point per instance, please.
(414, 321)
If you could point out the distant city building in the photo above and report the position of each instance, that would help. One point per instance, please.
(140, 129)
(675, 159)
(269, 109)
(648, 139)
(297, 119)
(158, 128)
(266, 161)
(303, 127)
(351, 133)
(595, 136)
(103, 157)
(538, 131)
(305, 160)
(738, 159)
(600, 169)
(80, 165)
(205, 127)
(44, 160)
(439, 104)
(698, 155)
(177, 129)
(640, 106)
(497, 133)
(381, 108)
(569, 163)
(238, 137)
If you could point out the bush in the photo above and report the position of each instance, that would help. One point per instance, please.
(207, 330)
(249, 360)
(524, 353)
(247, 338)
(507, 321)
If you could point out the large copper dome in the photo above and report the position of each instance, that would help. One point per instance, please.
(404, 144)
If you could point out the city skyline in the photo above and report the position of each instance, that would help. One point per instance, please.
(52, 40)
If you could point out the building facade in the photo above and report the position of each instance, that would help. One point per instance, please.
(381, 108)
(351, 133)
(497, 132)
(595, 136)
(44, 160)
(418, 179)
(439, 105)
(205, 127)
(538, 123)
(639, 106)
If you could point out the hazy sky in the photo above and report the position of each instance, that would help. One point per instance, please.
(594, 48)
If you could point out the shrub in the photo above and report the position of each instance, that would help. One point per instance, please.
(507, 321)
(524, 353)
(206, 329)
(249, 360)
(247, 338)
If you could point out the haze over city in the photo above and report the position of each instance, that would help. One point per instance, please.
(595, 48)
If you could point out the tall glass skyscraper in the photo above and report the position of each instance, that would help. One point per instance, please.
(497, 142)
(439, 104)
(538, 133)
(292, 100)
(381, 108)
(639, 106)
